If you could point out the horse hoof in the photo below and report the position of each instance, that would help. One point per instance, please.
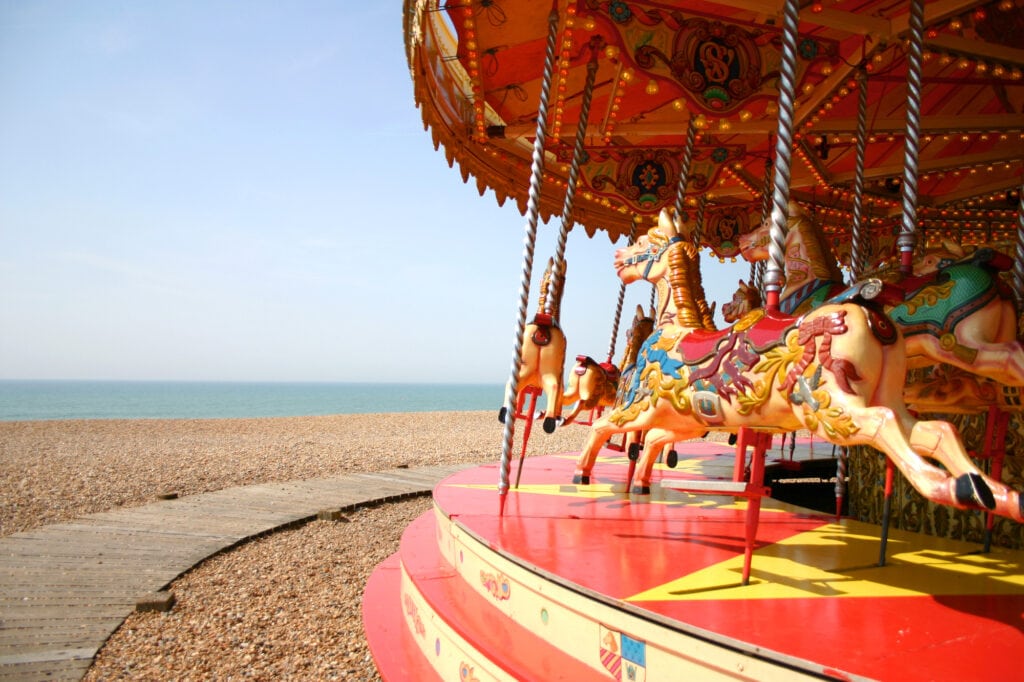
(580, 479)
(732, 439)
(672, 460)
(549, 424)
(634, 452)
(641, 490)
(501, 414)
(972, 491)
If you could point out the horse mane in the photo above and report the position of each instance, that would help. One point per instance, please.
(552, 283)
(819, 253)
(643, 326)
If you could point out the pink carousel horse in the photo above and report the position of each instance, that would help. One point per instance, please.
(837, 371)
(956, 312)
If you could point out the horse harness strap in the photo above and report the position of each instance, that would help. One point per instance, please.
(544, 323)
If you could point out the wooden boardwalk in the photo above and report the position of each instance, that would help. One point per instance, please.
(65, 588)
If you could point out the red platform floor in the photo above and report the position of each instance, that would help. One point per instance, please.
(939, 610)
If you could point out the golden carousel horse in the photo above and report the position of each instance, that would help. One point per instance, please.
(956, 312)
(743, 301)
(594, 385)
(543, 353)
(837, 371)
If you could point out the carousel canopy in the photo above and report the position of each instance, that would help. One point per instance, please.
(478, 70)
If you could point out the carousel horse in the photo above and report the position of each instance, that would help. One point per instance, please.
(543, 353)
(837, 371)
(937, 388)
(591, 385)
(951, 390)
(743, 301)
(595, 385)
(956, 312)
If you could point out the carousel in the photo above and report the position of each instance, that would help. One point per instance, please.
(867, 158)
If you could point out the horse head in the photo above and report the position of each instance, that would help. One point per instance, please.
(745, 299)
(642, 328)
(938, 257)
(646, 258)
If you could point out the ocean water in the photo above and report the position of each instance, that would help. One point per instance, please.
(33, 400)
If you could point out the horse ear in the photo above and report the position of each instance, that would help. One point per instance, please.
(666, 223)
(953, 248)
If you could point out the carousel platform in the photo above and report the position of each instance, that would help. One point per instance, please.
(589, 582)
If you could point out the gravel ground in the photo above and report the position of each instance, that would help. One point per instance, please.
(53, 471)
(285, 606)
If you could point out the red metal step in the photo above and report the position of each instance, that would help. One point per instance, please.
(493, 641)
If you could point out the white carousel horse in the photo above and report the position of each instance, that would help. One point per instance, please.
(837, 371)
(956, 312)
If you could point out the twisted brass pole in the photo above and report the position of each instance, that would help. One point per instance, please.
(856, 244)
(908, 231)
(529, 244)
(622, 296)
(774, 278)
(1018, 263)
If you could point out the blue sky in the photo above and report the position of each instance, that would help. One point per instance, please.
(245, 191)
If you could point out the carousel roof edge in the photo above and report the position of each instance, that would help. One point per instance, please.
(439, 86)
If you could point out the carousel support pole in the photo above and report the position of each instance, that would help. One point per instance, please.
(1018, 263)
(762, 441)
(556, 283)
(856, 245)
(774, 277)
(684, 167)
(532, 393)
(907, 239)
(890, 471)
(698, 231)
(622, 297)
(595, 45)
(840, 482)
(994, 449)
(757, 268)
(529, 244)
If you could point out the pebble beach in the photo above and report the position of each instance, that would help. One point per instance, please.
(284, 606)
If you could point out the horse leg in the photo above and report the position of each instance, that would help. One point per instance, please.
(939, 440)
(572, 414)
(656, 440)
(882, 428)
(1002, 362)
(599, 434)
(553, 394)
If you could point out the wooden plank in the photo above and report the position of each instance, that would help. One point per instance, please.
(40, 654)
(66, 587)
(61, 634)
(63, 669)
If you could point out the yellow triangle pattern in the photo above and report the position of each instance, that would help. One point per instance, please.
(841, 561)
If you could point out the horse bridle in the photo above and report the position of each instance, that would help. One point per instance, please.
(651, 256)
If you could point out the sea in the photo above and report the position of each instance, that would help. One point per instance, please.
(47, 400)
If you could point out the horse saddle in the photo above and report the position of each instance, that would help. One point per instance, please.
(758, 330)
(542, 334)
(585, 362)
(986, 258)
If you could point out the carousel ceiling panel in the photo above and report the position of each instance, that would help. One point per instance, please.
(478, 68)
